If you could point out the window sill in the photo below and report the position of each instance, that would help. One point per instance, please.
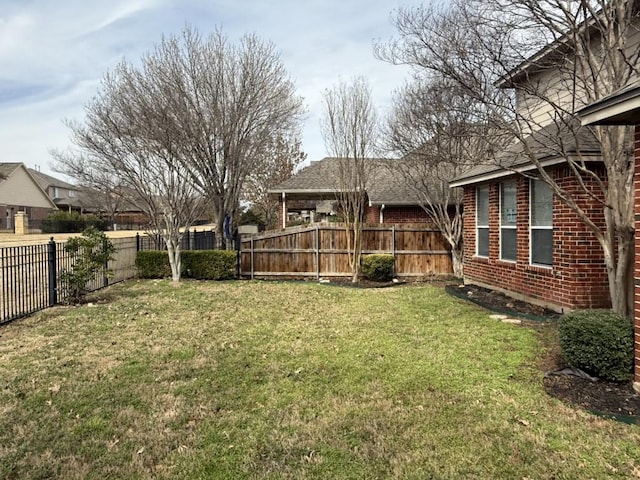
(540, 268)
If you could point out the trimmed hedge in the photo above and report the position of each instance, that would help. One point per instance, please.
(377, 267)
(71, 222)
(198, 264)
(153, 264)
(600, 342)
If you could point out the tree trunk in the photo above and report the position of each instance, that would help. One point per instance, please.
(457, 262)
(357, 246)
(623, 282)
(175, 260)
(219, 230)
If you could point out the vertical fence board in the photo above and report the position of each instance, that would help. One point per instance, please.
(321, 251)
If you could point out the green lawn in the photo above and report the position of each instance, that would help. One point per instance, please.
(288, 380)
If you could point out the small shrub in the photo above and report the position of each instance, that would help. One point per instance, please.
(599, 342)
(209, 264)
(199, 264)
(153, 264)
(377, 267)
(89, 253)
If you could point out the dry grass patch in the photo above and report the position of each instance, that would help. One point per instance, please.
(288, 380)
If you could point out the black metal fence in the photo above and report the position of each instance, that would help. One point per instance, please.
(30, 274)
(191, 240)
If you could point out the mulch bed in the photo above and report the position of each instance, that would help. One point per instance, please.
(499, 302)
(618, 400)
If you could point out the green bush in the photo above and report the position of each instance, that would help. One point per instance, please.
(62, 221)
(209, 264)
(377, 267)
(199, 264)
(89, 254)
(599, 342)
(153, 264)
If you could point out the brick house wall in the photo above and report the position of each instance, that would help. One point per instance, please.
(636, 263)
(396, 214)
(577, 278)
(392, 214)
(35, 214)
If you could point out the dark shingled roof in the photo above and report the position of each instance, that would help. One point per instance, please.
(7, 169)
(46, 181)
(552, 142)
(386, 185)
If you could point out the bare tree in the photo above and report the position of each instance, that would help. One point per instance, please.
(588, 51)
(432, 126)
(275, 163)
(349, 127)
(128, 133)
(227, 101)
(102, 190)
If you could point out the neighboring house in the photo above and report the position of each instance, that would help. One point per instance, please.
(124, 209)
(21, 192)
(310, 195)
(63, 194)
(120, 209)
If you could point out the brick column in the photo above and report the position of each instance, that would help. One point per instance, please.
(22, 224)
(636, 275)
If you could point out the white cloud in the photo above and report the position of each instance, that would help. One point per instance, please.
(53, 54)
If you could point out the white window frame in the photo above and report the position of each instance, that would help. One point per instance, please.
(478, 226)
(508, 227)
(532, 228)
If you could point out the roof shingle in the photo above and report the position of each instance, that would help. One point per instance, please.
(386, 185)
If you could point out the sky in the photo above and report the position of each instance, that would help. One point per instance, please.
(53, 55)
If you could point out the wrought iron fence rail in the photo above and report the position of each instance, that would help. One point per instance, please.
(30, 275)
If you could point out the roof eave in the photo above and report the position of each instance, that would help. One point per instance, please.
(620, 109)
(504, 172)
(302, 190)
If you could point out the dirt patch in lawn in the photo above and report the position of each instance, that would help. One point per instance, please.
(613, 399)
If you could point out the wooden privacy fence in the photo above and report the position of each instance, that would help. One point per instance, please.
(321, 251)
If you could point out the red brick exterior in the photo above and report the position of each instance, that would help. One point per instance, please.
(396, 214)
(391, 214)
(636, 274)
(578, 277)
(35, 214)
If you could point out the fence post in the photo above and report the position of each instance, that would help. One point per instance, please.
(393, 248)
(105, 267)
(52, 274)
(238, 241)
(251, 257)
(317, 253)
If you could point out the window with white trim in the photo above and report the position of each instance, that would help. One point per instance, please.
(541, 223)
(508, 214)
(482, 221)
